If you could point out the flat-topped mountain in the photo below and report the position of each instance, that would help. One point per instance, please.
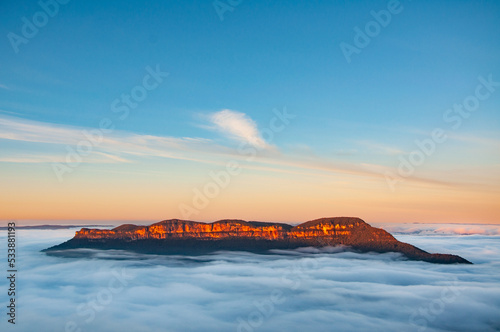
(190, 237)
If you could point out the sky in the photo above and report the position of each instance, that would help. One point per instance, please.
(147, 110)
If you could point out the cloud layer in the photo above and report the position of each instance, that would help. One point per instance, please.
(125, 147)
(291, 290)
(440, 229)
(45, 142)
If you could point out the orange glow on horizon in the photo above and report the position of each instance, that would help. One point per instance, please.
(250, 196)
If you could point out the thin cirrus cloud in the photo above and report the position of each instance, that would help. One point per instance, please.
(52, 142)
(120, 147)
(378, 148)
(115, 146)
(97, 158)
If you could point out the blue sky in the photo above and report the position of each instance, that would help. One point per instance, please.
(261, 57)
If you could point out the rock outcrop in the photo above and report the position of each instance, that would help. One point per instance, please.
(189, 237)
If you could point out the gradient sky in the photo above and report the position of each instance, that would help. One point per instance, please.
(353, 122)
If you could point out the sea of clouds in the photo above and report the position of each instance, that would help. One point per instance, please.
(296, 290)
(441, 229)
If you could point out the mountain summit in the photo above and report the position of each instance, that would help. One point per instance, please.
(190, 237)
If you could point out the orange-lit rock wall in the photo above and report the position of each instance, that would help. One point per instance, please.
(223, 229)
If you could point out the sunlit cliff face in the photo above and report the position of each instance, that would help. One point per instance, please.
(224, 229)
(324, 228)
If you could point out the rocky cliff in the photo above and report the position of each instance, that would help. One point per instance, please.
(189, 237)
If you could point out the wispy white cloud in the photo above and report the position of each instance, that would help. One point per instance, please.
(117, 146)
(382, 149)
(480, 138)
(485, 141)
(239, 126)
(95, 158)
(17, 129)
(12, 113)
